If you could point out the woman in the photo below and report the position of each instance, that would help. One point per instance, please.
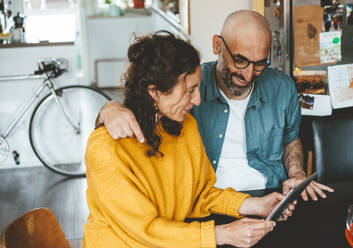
(139, 194)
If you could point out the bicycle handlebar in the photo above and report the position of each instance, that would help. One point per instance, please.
(53, 68)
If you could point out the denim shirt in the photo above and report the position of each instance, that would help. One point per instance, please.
(272, 120)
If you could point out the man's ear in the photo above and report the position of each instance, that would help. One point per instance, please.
(153, 92)
(216, 45)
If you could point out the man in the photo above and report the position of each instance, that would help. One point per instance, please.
(249, 114)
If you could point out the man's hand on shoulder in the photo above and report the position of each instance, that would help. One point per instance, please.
(120, 121)
(313, 189)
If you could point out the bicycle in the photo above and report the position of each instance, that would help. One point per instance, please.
(59, 127)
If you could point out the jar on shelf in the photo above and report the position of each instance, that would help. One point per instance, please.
(139, 3)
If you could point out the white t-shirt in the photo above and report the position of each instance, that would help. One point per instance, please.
(233, 169)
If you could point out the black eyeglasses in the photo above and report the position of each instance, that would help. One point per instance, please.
(242, 62)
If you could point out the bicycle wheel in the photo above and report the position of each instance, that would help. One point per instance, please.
(55, 142)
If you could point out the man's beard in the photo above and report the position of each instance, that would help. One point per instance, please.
(235, 90)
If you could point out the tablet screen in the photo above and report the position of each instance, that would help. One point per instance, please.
(292, 195)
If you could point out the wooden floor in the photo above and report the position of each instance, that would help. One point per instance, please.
(23, 189)
(26, 188)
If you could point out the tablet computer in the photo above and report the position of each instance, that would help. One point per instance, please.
(292, 195)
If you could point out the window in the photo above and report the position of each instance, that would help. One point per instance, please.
(39, 5)
(50, 20)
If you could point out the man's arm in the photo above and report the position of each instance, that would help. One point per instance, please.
(293, 160)
(120, 121)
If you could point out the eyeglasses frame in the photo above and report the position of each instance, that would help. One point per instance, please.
(249, 61)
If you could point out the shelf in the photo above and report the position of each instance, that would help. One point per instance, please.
(38, 44)
(142, 12)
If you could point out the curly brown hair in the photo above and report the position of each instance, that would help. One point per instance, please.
(157, 59)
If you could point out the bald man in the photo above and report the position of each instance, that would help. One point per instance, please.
(249, 114)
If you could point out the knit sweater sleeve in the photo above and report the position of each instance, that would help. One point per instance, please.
(128, 210)
(209, 198)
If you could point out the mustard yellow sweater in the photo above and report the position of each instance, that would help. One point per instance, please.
(140, 201)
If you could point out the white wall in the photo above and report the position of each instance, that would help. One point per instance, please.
(110, 38)
(206, 19)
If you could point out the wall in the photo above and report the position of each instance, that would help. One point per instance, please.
(206, 19)
(109, 38)
(112, 41)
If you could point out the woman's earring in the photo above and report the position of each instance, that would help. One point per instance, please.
(155, 105)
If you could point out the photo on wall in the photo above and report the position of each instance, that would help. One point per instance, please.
(333, 16)
(310, 82)
(306, 101)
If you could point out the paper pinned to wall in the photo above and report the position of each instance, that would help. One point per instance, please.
(340, 82)
(330, 47)
(315, 105)
(307, 27)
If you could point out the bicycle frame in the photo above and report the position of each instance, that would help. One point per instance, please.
(47, 82)
(29, 102)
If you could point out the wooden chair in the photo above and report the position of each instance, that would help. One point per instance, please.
(37, 228)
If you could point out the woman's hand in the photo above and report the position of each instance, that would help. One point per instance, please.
(245, 232)
(120, 121)
(263, 206)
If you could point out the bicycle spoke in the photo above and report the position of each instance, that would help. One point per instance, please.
(52, 137)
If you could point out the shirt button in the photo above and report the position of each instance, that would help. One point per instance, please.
(225, 110)
(214, 162)
(220, 136)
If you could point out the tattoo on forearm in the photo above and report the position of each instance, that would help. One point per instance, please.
(293, 157)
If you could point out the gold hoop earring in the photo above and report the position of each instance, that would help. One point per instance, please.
(155, 105)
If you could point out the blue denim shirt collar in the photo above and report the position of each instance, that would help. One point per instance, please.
(212, 92)
(211, 89)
